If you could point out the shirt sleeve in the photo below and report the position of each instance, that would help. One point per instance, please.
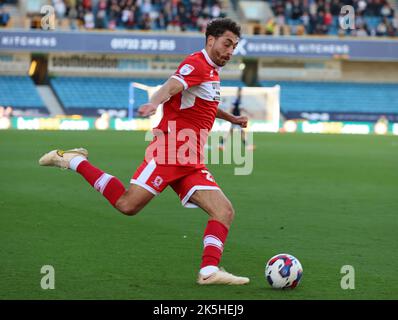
(189, 73)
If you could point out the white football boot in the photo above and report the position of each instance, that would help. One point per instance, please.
(222, 277)
(62, 158)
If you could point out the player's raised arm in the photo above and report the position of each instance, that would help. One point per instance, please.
(166, 91)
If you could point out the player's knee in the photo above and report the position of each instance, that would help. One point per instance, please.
(132, 211)
(228, 213)
(129, 209)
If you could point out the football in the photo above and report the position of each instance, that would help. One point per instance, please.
(283, 271)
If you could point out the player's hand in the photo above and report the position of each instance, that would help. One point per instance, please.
(147, 109)
(242, 121)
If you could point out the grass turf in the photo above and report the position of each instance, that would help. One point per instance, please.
(330, 200)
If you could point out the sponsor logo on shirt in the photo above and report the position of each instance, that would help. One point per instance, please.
(216, 88)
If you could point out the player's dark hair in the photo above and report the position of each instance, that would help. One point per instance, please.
(217, 27)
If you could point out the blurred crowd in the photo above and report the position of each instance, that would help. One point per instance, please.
(4, 16)
(175, 15)
(322, 17)
(291, 17)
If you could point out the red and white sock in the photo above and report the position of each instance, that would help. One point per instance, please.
(213, 242)
(109, 186)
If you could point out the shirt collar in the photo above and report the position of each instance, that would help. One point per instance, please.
(209, 61)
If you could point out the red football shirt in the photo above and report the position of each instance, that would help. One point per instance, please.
(193, 110)
(196, 106)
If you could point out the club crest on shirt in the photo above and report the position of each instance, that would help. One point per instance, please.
(158, 181)
(186, 69)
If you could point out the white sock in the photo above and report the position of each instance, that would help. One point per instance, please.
(74, 163)
(208, 270)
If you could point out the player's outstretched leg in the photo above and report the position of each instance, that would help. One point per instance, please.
(128, 202)
(76, 159)
(221, 213)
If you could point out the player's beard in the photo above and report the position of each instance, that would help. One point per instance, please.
(221, 60)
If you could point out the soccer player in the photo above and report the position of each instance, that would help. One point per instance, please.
(190, 101)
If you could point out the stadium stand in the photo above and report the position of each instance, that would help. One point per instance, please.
(320, 17)
(87, 95)
(20, 93)
(83, 95)
(90, 95)
(291, 17)
(176, 15)
(337, 97)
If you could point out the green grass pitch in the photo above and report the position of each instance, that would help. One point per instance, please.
(330, 200)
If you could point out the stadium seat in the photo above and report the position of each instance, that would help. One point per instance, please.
(19, 92)
(83, 95)
(337, 97)
(86, 95)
